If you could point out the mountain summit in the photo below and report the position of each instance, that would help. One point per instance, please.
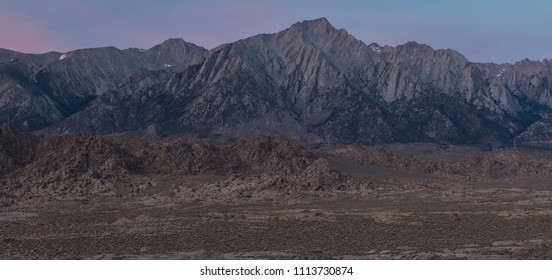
(312, 82)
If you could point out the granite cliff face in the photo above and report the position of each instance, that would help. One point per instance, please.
(310, 82)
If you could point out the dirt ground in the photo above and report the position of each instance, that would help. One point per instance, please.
(397, 215)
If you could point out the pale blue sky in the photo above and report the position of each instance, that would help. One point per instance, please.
(492, 30)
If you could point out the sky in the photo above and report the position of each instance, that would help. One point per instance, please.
(482, 30)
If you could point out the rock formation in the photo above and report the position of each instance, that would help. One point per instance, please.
(311, 82)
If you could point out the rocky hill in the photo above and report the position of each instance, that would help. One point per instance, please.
(506, 164)
(54, 167)
(81, 166)
(311, 82)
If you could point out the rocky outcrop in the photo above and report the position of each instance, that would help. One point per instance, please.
(56, 167)
(16, 150)
(39, 168)
(492, 165)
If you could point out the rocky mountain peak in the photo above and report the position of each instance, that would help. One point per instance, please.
(410, 45)
(319, 24)
(318, 31)
(174, 41)
(176, 51)
(179, 44)
(325, 47)
(311, 82)
(413, 49)
(530, 67)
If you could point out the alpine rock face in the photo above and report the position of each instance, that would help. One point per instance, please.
(310, 82)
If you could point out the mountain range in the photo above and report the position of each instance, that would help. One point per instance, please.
(311, 82)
